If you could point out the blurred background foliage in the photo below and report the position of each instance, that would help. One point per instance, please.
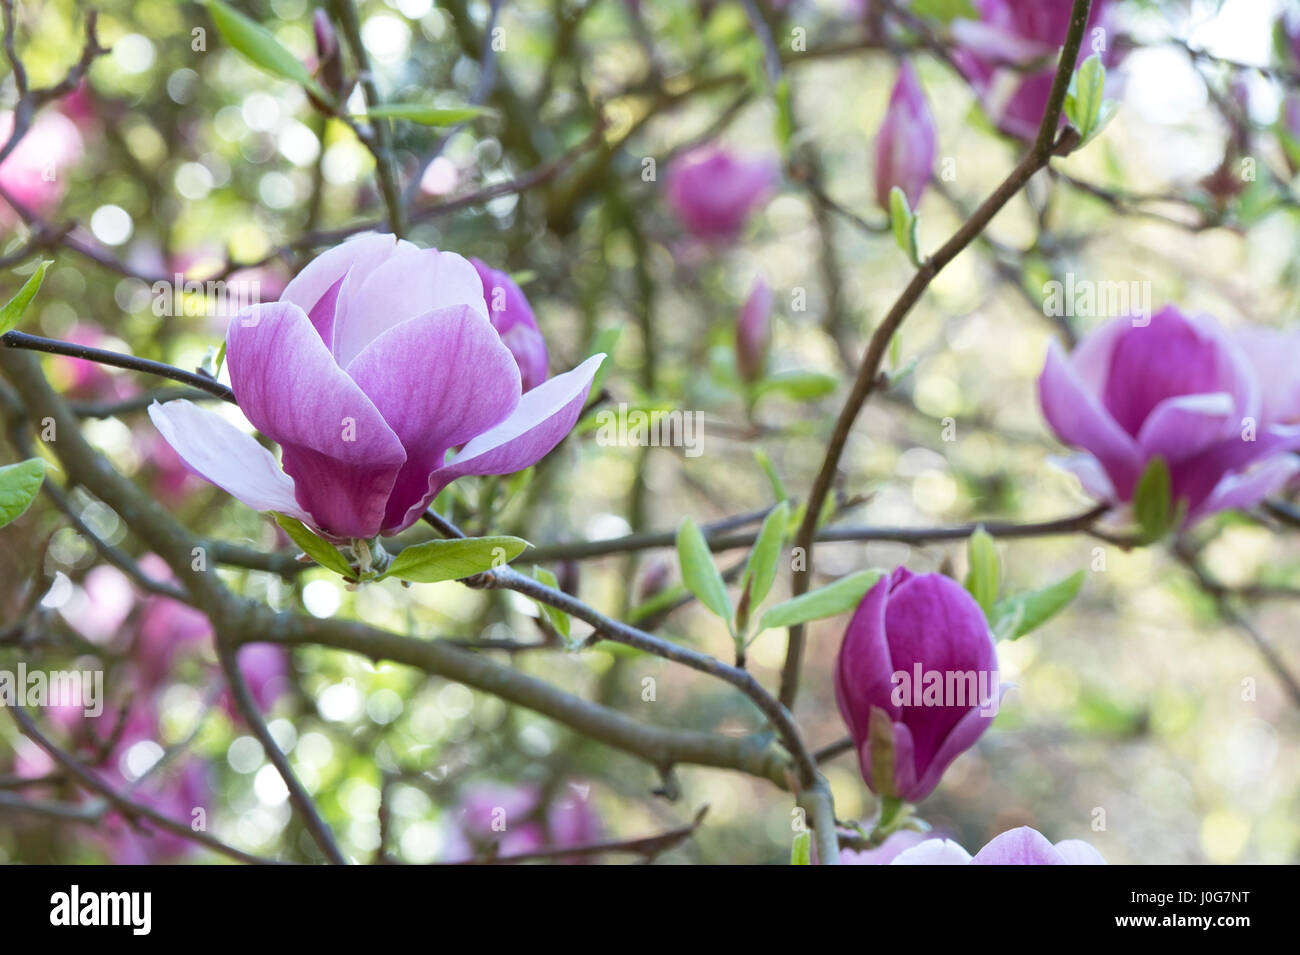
(1130, 703)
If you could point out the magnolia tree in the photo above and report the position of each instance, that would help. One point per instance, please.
(495, 432)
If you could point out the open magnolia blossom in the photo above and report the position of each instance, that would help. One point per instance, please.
(1022, 846)
(378, 359)
(1180, 388)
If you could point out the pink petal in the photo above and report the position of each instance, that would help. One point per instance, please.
(933, 852)
(360, 254)
(433, 406)
(215, 449)
(337, 447)
(1079, 420)
(408, 284)
(1022, 846)
(1241, 491)
(1178, 428)
(541, 419)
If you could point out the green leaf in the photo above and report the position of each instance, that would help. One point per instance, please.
(1152, 502)
(1083, 103)
(699, 573)
(843, 595)
(1023, 613)
(784, 115)
(318, 549)
(904, 223)
(760, 569)
(944, 11)
(425, 115)
(799, 385)
(12, 312)
(558, 618)
(261, 48)
(19, 484)
(434, 561)
(984, 575)
(764, 462)
(801, 851)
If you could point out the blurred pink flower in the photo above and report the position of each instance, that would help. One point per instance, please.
(35, 172)
(1023, 846)
(906, 143)
(713, 191)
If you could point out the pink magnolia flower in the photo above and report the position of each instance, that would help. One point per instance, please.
(1023, 846)
(1012, 34)
(265, 668)
(1177, 388)
(175, 795)
(1274, 354)
(165, 628)
(378, 360)
(886, 852)
(909, 631)
(514, 321)
(754, 332)
(713, 192)
(906, 143)
(35, 172)
(98, 608)
(513, 819)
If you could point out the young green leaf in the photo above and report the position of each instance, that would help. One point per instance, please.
(760, 569)
(425, 115)
(19, 484)
(558, 618)
(699, 573)
(839, 597)
(318, 549)
(944, 11)
(1084, 101)
(261, 48)
(1018, 615)
(801, 851)
(904, 222)
(764, 462)
(984, 575)
(12, 311)
(1152, 502)
(434, 561)
(799, 385)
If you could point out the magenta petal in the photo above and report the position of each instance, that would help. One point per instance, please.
(1079, 420)
(1078, 852)
(1241, 491)
(1184, 426)
(433, 406)
(863, 666)
(1022, 846)
(342, 455)
(410, 283)
(1195, 479)
(360, 254)
(215, 449)
(541, 419)
(959, 739)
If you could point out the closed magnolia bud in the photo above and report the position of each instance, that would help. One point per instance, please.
(906, 143)
(754, 332)
(713, 192)
(916, 681)
(653, 580)
(514, 321)
(329, 62)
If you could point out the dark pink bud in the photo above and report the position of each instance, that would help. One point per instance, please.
(905, 145)
(713, 192)
(513, 318)
(754, 332)
(916, 681)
